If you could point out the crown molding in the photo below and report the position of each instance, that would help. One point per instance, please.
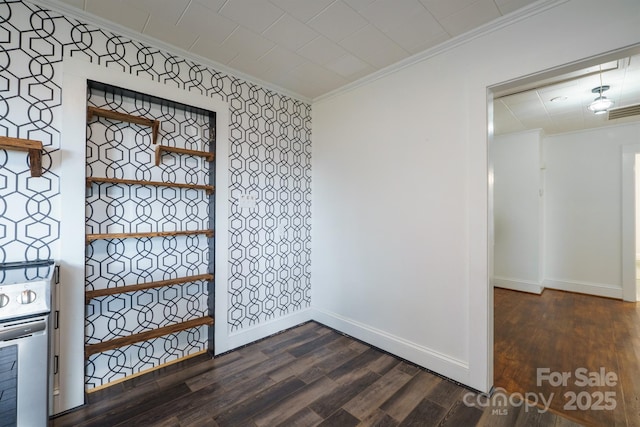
(102, 23)
(504, 21)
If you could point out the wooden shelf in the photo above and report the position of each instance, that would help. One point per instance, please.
(145, 336)
(154, 124)
(142, 286)
(208, 188)
(165, 149)
(34, 148)
(92, 237)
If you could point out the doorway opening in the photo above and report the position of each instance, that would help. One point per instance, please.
(562, 211)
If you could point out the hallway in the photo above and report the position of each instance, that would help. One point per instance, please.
(586, 350)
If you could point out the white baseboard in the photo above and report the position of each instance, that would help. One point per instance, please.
(597, 289)
(517, 285)
(442, 364)
(225, 341)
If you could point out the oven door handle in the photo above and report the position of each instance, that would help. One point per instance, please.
(22, 330)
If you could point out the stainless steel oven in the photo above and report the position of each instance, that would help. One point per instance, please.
(25, 303)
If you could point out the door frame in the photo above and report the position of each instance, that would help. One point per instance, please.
(629, 284)
(628, 186)
(72, 172)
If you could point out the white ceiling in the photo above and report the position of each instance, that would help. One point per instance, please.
(312, 47)
(307, 47)
(530, 107)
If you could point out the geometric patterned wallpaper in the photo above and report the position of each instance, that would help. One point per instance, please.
(270, 156)
(117, 149)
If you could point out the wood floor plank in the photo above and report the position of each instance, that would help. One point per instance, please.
(401, 403)
(315, 344)
(206, 400)
(330, 403)
(408, 368)
(194, 369)
(312, 326)
(294, 336)
(169, 422)
(288, 341)
(101, 401)
(629, 361)
(564, 422)
(384, 364)
(237, 365)
(219, 397)
(274, 362)
(360, 346)
(340, 418)
(131, 408)
(461, 415)
(362, 360)
(303, 418)
(291, 404)
(445, 393)
(239, 413)
(328, 364)
(425, 414)
(300, 364)
(377, 393)
(535, 418)
(197, 419)
(378, 418)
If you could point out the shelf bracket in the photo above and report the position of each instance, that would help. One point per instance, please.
(34, 148)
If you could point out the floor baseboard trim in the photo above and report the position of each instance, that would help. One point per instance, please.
(443, 365)
(600, 290)
(231, 341)
(517, 285)
(398, 357)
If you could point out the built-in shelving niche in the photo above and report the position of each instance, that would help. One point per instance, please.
(149, 234)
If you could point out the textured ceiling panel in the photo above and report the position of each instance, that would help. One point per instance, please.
(347, 39)
(560, 105)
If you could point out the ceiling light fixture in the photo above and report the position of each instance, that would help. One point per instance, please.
(601, 104)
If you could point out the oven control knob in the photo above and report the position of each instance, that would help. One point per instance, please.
(4, 300)
(27, 297)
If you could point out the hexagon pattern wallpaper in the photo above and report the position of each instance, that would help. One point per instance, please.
(269, 149)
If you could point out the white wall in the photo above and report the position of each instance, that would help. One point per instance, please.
(517, 207)
(400, 247)
(583, 209)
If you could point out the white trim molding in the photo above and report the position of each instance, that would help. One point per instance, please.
(631, 290)
(518, 285)
(249, 335)
(597, 289)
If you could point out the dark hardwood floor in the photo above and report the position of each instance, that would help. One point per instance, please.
(307, 376)
(565, 332)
